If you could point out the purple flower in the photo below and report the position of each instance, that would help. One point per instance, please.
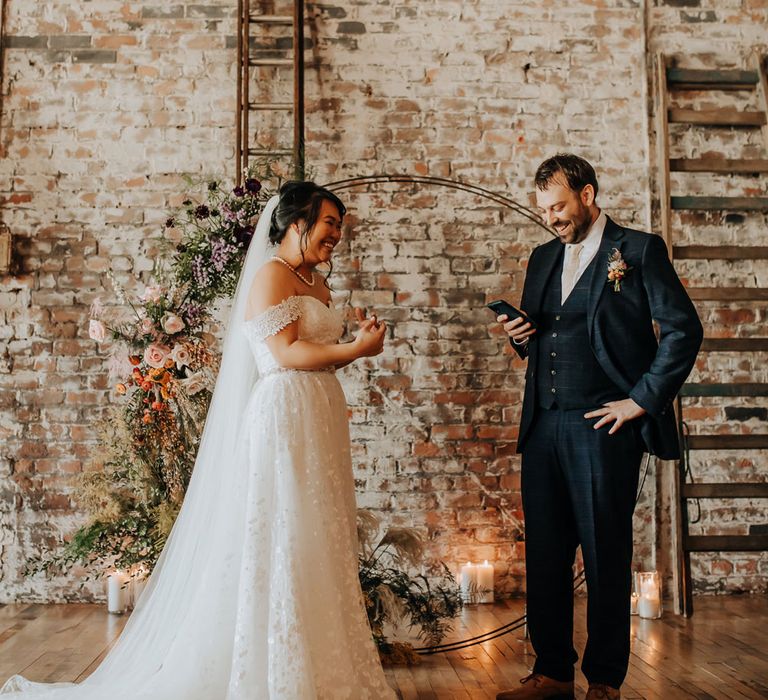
(200, 273)
(202, 212)
(221, 252)
(252, 185)
(192, 313)
(229, 215)
(238, 191)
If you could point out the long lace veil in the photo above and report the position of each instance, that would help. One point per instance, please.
(178, 639)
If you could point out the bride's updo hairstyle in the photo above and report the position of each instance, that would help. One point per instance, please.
(300, 201)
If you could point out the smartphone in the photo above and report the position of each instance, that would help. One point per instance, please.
(501, 307)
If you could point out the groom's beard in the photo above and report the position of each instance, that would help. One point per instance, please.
(573, 230)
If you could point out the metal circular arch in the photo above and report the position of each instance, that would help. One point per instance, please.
(503, 200)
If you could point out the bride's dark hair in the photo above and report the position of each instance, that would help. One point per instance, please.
(300, 201)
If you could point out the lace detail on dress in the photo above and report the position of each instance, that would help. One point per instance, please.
(275, 318)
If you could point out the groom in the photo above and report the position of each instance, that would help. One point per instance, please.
(598, 393)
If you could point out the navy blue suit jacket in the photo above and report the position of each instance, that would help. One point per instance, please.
(621, 330)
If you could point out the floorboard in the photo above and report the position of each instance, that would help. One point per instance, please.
(719, 654)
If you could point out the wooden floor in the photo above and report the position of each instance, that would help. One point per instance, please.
(722, 652)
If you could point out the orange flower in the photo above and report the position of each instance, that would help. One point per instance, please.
(169, 363)
(134, 359)
(146, 418)
(146, 386)
(121, 389)
(158, 405)
(154, 373)
(165, 393)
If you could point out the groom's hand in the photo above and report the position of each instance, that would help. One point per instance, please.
(618, 411)
(518, 329)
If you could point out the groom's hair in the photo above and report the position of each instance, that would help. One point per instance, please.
(577, 172)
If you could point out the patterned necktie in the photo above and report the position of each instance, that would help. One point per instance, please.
(570, 268)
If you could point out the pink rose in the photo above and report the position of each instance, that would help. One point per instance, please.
(152, 293)
(172, 324)
(194, 383)
(180, 355)
(156, 355)
(97, 331)
(146, 326)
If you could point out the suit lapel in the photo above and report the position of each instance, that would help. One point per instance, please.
(612, 236)
(548, 258)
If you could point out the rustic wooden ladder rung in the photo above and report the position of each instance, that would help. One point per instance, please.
(715, 117)
(703, 79)
(728, 293)
(719, 203)
(745, 166)
(248, 20)
(735, 345)
(671, 80)
(720, 252)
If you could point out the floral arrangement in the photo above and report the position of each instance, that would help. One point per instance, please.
(163, 361)
(617, 269)
(392, 595)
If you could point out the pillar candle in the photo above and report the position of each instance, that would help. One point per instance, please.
(117, 596)
(649, 602)
(485, 582)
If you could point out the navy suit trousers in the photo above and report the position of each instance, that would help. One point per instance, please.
(579, 488)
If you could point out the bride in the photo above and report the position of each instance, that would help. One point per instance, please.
(256, 594)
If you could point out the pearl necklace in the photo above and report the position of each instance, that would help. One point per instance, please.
(309, 283)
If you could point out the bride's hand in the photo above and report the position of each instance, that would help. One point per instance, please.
(363, 322)
(370, 339)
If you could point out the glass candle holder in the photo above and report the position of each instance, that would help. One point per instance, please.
(649, 592)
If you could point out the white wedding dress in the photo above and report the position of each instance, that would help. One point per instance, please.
(256, 594)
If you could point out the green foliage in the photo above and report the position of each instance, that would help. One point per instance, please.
(392, 595)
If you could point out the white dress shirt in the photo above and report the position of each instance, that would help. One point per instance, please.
(591, 245)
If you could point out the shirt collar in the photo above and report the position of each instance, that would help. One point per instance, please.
(595, 234)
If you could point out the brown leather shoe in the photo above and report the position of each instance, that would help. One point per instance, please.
(600, 691)
(538, 687)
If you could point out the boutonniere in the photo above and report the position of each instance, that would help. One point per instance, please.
(617, 269)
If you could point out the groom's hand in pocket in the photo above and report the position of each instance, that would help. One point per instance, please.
(619, 412)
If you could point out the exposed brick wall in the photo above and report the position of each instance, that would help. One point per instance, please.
(107, 103)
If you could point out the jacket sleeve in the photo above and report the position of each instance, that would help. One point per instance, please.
(680, 331)
(522, 350)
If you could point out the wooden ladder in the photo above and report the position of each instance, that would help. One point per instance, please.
(249, 23)
(672, 79)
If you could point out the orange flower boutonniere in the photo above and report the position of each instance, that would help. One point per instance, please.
(617, 269)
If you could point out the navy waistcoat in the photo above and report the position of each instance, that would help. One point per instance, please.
(568, 375)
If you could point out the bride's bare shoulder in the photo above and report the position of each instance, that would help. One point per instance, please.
(272, 284)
